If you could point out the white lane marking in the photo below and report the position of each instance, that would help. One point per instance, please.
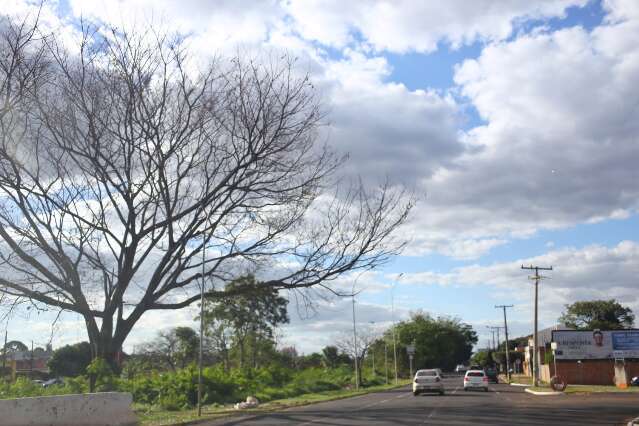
(358, 408)
(432, 413)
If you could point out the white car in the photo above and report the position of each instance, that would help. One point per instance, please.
(428, 381)
(476, 379)
(461, 368)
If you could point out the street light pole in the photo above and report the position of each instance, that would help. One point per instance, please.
(393, 321)
(355, 341)
(199, 367)
(385, 362)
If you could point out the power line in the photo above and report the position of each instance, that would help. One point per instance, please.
(536, 278)
(507, 344)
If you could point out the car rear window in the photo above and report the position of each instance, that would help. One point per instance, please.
(475, 374)
(426, 373)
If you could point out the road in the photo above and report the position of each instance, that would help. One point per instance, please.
(502, 405)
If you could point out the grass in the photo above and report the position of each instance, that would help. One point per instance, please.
(581, 389)
(599, 389)
(541, 389)
(150, 416)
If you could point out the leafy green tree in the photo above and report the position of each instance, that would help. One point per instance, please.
(252, 314)
(176, 347)
(440, 342)
(483, 357)
(602, 314)
(332, 357)
(314, 360)
(70, 360)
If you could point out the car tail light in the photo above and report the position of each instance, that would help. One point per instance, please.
(485, 379)
(466, 379)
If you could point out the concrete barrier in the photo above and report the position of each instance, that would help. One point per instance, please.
(99, 409)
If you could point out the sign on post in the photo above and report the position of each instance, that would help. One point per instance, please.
(410, 350)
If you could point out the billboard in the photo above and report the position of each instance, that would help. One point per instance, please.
(595, 344)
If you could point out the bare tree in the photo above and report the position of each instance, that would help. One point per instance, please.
(175, 348)
(359, 348)
(121, 162)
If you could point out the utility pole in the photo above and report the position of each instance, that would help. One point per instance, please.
(355, 341)
(496, 329)
(4, 352)
(385, 363)
(373, 351)
(199, 367)
(507, 344)
(536, 278)
(393, 320)
(373, 355)
(492, 330)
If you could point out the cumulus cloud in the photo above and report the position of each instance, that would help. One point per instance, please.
(334, 318)
(414, 25)
(592, 272)
(388, 129)
(559, 146)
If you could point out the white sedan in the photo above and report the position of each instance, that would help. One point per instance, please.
(476, 379)
(428, 381)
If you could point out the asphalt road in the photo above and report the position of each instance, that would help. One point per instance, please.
(502, 405)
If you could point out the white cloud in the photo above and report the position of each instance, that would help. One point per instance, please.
(418, 25)
(592, 272)
(217, 24)
(559, 146)
(334, 318)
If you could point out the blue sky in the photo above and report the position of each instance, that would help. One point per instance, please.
(515, 119)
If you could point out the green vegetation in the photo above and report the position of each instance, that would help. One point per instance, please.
(440, 342)
(172, 391)
(601, 314)
(152, 416)
(580, 389)
(241, 359)
(599, 389)
(70, 360)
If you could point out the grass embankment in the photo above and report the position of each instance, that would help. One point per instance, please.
(582, 389)
(152, 416)
(599, 389)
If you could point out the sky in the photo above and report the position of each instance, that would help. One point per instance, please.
(515, 122)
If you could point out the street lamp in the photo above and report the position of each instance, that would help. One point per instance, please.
(355, 339)
(393, 321)
(373, 351)
(199, 362)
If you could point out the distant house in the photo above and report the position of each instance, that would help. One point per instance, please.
(544, 338)
(29, 363)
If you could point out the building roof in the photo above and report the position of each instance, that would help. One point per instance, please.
(26, 355)
(544, 336)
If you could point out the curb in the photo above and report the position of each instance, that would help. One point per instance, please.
(543, 393)
(634, 422)
(519, 384)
